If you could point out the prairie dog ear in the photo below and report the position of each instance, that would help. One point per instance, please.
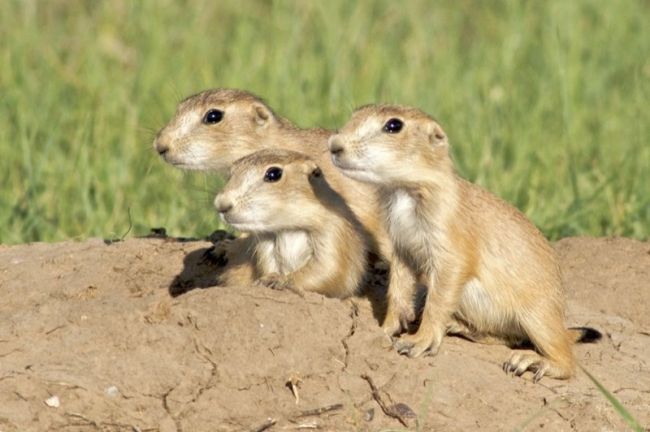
(311, 170)
(316, 173)
(437, 136)
(309, 166)
(262, 114)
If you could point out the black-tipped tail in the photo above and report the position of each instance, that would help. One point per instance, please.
(586, 334)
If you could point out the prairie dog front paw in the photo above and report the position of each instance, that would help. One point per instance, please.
(425, 340)
(278, 281)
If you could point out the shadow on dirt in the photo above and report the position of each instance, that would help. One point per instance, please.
(205, 268)
(202, 268)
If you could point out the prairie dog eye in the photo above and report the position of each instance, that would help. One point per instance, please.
(213, 116)
(273, 174)
(393, 125)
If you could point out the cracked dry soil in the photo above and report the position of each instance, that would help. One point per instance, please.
(92, 340)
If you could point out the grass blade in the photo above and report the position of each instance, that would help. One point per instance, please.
(618, 406)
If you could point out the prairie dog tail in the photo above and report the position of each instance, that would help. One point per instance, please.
(584, 334)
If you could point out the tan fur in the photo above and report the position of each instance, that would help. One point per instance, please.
(304, 235)
(490, 274)
(249, 125)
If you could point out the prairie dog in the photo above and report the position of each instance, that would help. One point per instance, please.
(213, 129)
(304, 235)
(490, 274)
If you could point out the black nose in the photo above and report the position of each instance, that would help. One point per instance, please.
(223, 205)
(336, 148)
(225, 208)
(161, 148)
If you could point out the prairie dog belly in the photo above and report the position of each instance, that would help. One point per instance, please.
(293, 250)
(284, 253)
(487, 311)
(405, 228)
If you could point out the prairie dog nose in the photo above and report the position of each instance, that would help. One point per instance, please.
(160, 146)
(335, 145)
(223, 204)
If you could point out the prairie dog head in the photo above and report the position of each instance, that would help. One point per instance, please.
(387, 144)
(272, 190)
(214, 128)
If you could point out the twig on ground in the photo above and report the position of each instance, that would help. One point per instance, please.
(293, 383)
(390, 411)
(319, 411)
(264, 426)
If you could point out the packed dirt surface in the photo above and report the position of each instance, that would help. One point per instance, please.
(134, 336)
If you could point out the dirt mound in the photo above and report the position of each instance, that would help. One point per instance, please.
(92, 339)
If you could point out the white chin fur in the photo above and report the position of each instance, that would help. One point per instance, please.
(196, 156)
(185, 166)
(246, 223)
(358, 169)
(361, 175)
(256, 227)
(195, 164)
(249, 227)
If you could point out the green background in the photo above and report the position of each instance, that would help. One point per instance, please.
(545, 102)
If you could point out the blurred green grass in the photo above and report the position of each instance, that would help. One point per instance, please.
(546, 103)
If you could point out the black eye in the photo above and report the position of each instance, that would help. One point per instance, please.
(393, 125)
(273, 174)
(213, 116)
